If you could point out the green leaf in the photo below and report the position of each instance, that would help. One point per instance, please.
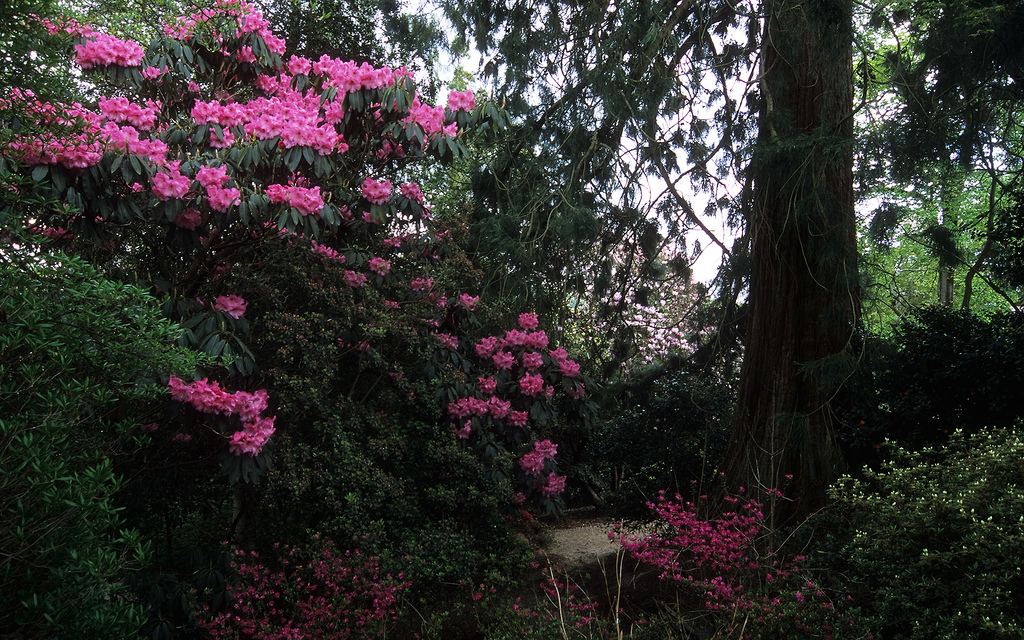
(39, 172)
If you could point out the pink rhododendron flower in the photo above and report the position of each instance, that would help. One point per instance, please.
(248, 406)
(232, 305)
(546, 448)
(461, 101)
(532, 385)
(252, 437)
(380, 266)
(533, 360)
(558, 355)
(122, 110)
(553, 485)
(569, 368)
(307, 201)
(421, 284)
(376, 192)
(504, 360)
(468, 301)
(297, 65)
(518, 418)
(537, 340)
(223, 199)
(101, 49)
(486, 347)
(354, 279)
(212, 176)
(499, 408)
(170, 183)
(487, 385)
(532, 463)
(448, 341)
(188, 219)
(411, 190)
(428, 117)
(528, 321)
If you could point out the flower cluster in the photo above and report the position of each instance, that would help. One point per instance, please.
(332, 596)
(717, 557)
(376, 192)
(232, 305)
(461, 101)
(100, 49)
(123, 110)
(209, 397)
(307, 201)
(533, 462)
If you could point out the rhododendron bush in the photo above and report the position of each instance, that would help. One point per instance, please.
(214, 145)
(207, 158)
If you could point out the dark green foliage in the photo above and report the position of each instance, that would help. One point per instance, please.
(30, 58)
(81, 363)
(931, 545)
(1008, 258)
(674, 427)
(365, 458)
(941, 370)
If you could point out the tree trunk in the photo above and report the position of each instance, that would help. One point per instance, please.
(804, 299)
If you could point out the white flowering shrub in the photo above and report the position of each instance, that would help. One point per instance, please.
(933, 543)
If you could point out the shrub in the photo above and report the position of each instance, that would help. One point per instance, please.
(932, 543)
(80, 360)
(324, 594)
(727, 563)
(941, 370)
(661, 440)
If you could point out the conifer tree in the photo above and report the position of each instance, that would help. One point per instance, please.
(803, 301)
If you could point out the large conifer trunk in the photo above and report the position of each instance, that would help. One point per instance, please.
(803, 301)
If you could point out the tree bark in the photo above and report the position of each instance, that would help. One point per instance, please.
(804, 299)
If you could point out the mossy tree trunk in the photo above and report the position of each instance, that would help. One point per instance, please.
(803, 300)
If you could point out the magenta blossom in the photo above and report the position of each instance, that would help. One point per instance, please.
(468, 301)
(528, 321)
(532, 385)
(533, 360)
(353, 279)
(504, 360)
(380, 266)
(553, 485)
(376, 192)
(232, 305)
(487, 385)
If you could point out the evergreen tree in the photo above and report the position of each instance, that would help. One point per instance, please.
(946, 149)
(803, 301)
